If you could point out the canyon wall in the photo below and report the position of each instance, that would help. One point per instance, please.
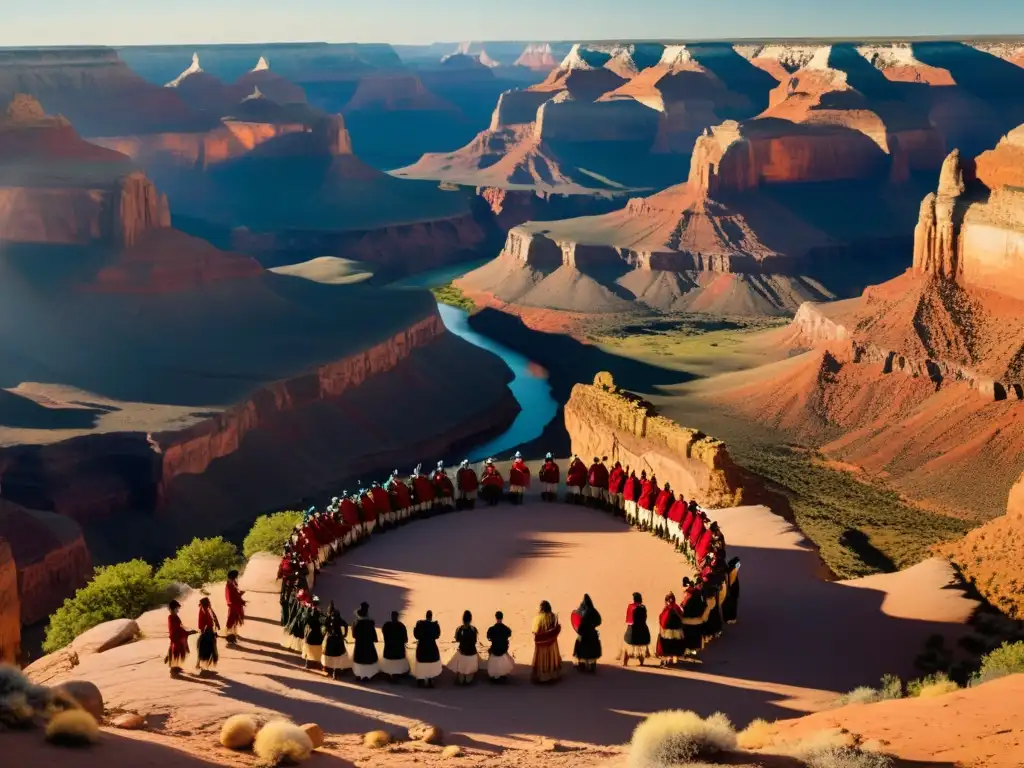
(603, 421)
(10, 607)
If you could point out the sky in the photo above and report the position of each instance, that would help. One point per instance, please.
(136, 22)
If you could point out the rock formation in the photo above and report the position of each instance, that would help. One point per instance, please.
(10, 606)
(270, 84)
(537, 56)
(604, 421)
(202, 91)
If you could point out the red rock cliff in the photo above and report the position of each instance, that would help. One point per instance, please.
(10, 606)
(605, 422)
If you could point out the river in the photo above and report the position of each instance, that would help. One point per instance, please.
(529, 386)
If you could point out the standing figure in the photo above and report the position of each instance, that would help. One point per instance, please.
(336, 658)
(313, 640)
(547, 660)
(401, 498)
(206, 646)
(465, 661)
(428, 655)
(467, 484)
(616, 482)
(587, 650)
(518, 479)
(662, 502)
(236, 607)
(350, 515)
(394, 662)
(423, 491)
(576, 480)
(178, 636)
(444, 490)
(645, 502)
(676, 513)
(382, 504)
(364, 654)
(597, 484)
(638, 636)
(492, 484)
(731, 604)
(671, 645)
(367, 510)
(500, 663)
(630, 493)
(549, 476)
(695, 613)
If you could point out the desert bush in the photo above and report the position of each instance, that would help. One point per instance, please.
(281, 742)
(845, 757)
(270, 533)
(678, 736)
(238, 732)
(72, 728)
(1007, 659)
(758, 735)
(201, 562)
(862, 695)
(122, 591)
(890, 688)
(932, 685)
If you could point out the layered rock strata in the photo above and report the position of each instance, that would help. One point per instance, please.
(10, 606)
(604, 421)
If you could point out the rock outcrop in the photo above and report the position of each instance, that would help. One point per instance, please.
(50, 556)
(272, 85)
(10, 606)
(604, 421)
(537, 56)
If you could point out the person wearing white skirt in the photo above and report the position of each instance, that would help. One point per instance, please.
(500, 663)
(335, 659)
(313, 640)
(365, 664)
(393, 661)
(428, 656)
(465, 662)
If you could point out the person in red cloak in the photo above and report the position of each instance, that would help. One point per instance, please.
(549, 477)
(422, 491)
(492, 484)
(518, 479)
(467, 484)
(367, 511)
(350, 514)
(696, 533)
(675, 519)
(576, 481)
(401, 497)
(645, 502)
(206, 645)
(671, 644)
(236, 607)
(616, 482)
(661, 505)
(178, 635)
(597, 483)
(630, 493)
(382, 503)
(444, 489)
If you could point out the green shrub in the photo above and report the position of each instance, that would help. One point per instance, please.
(862, 695)
(122, 591)
(201, 562)
(1007, 659)
(270, 533)
(931, 685)
(890, 688)
(449, 294)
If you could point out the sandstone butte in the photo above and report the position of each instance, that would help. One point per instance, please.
(919, 380)
(605, 421)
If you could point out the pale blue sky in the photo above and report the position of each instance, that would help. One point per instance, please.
(120, 22)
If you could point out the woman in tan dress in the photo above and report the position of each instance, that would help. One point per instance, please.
(547, 661)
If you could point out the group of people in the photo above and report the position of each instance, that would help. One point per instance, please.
(208, 625)
(708, 602)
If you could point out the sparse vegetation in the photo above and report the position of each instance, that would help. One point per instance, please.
(845, 757)
(238, 732)
(72, 728)
(449, 294)
(758, 735)
(931, 685)
(270, 533)
(281, 742)
(859, 527)
(1007, 659)
(890, 687)
(675, 737)
(201, 562)
(125, 590)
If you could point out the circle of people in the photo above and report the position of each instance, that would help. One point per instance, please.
(685, 626)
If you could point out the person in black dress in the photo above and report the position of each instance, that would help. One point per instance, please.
(336, 658)
(694, 605)
(500, 663)
(466, 661)
(428, 656)
(394, 662)
(313, 639)
(731, 604)
(638, 635)
(588, 641)
(364, 655)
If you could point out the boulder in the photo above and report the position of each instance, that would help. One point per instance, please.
(428, 734)
(105, 636)
(86, 694)
(129, 722)
(315, 733)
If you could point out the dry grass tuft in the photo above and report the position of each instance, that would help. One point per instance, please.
(938, 688)
(72, 728)
(846, 757)
(824, 740)
(667, 739)
(758, 735)
(376, 739)
(238, 732)
(280, 742)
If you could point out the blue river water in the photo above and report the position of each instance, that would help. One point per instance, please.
(529, 386)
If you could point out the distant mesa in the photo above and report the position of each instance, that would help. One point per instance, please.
(272, 85)
(537, 56)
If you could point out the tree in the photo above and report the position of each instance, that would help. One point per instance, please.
(201, 562)
(270, 533)
(122, 591)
